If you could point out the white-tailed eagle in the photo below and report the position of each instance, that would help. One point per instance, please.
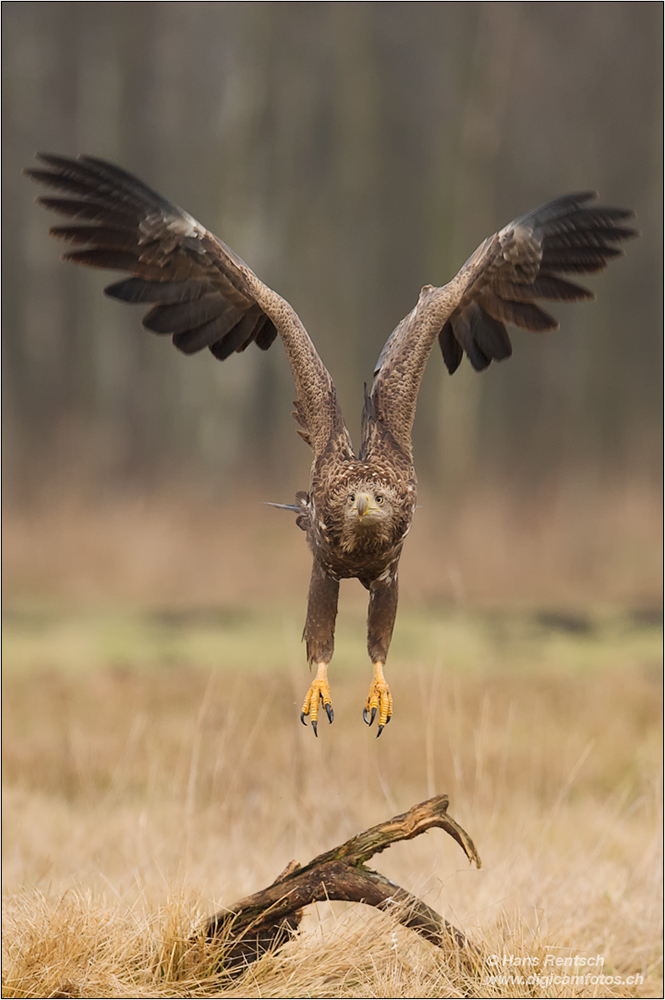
(358, 509)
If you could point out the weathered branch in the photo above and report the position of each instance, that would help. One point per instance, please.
(267, 918)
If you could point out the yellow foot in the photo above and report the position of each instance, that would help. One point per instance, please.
(319, 690)
(379, 699)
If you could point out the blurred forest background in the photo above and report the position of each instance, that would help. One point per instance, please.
(350, 153)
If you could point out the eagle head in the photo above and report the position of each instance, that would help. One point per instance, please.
(369, 514)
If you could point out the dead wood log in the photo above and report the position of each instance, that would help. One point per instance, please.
(267, 919)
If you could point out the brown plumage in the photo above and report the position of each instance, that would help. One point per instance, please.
(357, 510)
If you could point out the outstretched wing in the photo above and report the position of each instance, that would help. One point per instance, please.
(499, 284)
(201, 292)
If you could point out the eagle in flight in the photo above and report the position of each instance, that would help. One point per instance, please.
(358, 508)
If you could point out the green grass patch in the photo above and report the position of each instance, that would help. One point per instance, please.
(231, 637)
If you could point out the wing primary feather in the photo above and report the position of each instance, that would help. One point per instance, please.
(92, 209)
(89, 174)
(554, 209)
(592, 238)
(582, 260)
(61, 182)
(114, 260)
(126, 180)
(545, 286)
(138, 290)
(103, 237)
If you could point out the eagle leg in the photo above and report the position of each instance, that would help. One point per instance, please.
(379, 700)
(319, 636)
(319, 690)
(380, 621)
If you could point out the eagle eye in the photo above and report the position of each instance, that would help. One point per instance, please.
(379, 498)
(351, 497)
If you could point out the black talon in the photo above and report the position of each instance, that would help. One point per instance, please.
(381, 728)
(373, 715)
(365, 716)
(314, 728)
(302, 718)
(330, 713)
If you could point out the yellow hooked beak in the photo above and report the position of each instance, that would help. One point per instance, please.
(367, 506)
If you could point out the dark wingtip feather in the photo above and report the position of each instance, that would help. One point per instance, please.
(141, 290)
(114, 260)
(552, 210)
(89, 177)
(56, 160)
(580, 260)
(42, 176)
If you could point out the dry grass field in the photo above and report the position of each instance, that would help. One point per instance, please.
(155, 769)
